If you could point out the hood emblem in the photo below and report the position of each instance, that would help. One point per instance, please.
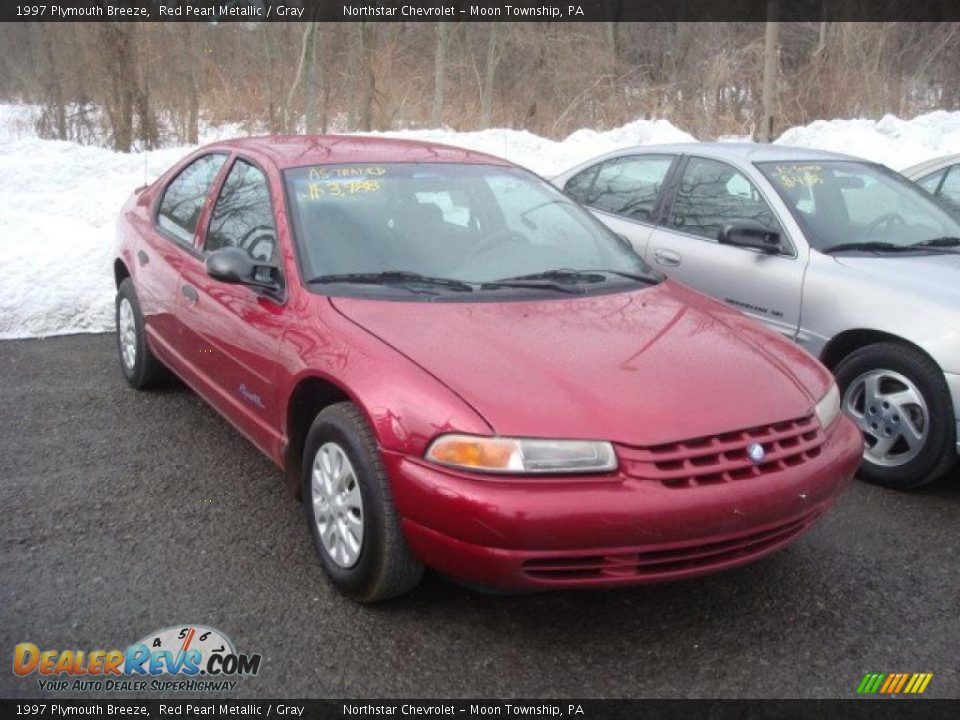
(756, 453)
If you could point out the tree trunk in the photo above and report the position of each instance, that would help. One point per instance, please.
(193, 101)
(770, 70)
(489, 78)
(310, 85)
(368, 41)
(439, 72)
(302, 63)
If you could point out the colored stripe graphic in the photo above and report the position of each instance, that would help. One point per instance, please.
(894, 683)
(871, 683)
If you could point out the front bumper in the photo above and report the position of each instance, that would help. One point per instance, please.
(612, 530)
(953, 382)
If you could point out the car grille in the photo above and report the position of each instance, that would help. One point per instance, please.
(662, 563)
(723, 458)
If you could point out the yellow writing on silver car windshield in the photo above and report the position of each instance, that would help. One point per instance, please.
(791, 176)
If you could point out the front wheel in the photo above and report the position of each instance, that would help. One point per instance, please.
(899, 399)
(141, 369)
(349, 509)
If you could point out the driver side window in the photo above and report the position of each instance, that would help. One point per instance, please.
(712, 194)
(243, 215)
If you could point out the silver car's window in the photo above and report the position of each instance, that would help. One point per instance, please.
(712, 194)
(185, 195)
(950, 190)
(842, 202)
(931, 183)
(628, 186)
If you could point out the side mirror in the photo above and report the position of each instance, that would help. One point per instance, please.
(750, 234)
(236, 266)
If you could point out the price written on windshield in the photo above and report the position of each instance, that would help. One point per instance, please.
(341, 188)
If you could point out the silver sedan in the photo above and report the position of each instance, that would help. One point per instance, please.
(940, 177)
(846, 257)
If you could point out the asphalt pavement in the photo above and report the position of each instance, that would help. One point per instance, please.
(123, 512)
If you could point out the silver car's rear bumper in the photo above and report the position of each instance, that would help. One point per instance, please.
(953, 382)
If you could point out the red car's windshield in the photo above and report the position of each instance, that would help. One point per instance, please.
(469, 224)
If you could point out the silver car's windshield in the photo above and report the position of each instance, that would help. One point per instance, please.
(455, 227)
(848, 203)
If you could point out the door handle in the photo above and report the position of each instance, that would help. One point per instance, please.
(665, 257)
(190, 293)
(142, 258)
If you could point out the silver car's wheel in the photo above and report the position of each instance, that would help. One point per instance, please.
(892, 414)
(337, 505)
(127, 330)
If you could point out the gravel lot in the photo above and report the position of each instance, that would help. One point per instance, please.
(126, 512)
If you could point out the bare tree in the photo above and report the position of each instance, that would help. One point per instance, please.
(368, 43)
(440, 72)
(489, 77)
(770, 65)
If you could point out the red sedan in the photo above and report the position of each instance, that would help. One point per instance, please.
(457, 367)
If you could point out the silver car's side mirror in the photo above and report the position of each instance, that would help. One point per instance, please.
(751, 234)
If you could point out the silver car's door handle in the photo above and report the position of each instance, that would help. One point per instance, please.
(668, 258)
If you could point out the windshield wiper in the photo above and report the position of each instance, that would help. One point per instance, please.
(559, 275)
(648, 279)
(940, 242)
(562, 280)
(868, 247)
(393, 277)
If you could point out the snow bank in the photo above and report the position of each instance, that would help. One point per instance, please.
(57, 213)
(59, 200)
(894, 142)
(551, 157)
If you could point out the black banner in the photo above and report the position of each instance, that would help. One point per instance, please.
(857, 709)
(219, 11)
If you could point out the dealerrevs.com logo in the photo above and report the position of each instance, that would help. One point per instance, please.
(185, 658)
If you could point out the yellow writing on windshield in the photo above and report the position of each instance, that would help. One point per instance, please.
(327, 173)
(339, 189)
(791, 176)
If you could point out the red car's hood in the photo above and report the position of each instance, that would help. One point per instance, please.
(646, 367)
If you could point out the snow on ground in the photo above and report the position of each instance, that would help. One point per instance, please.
(59, 200)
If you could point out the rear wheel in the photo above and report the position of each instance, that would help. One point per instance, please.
(140, 367)
(899, 399)
(349, 509)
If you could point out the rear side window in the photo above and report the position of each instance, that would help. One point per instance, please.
(711, 194)
(931, 183)
(628, 186)
(184, 197)
(243, 215)
(950, 190)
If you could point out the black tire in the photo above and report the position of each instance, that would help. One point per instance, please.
(147, 371)
(938, 453)
(386, 567)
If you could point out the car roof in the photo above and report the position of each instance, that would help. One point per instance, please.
(745, 151)
(929, 166)
(286, 151)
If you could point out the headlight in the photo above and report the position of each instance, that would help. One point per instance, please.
(828, 409)
(518, 455)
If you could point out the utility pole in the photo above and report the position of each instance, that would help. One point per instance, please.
(770, 67)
